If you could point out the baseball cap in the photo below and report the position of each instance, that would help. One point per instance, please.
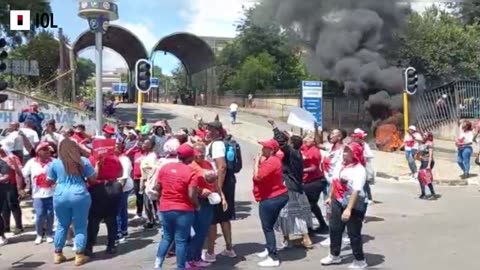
(359, 133)
(271, 144)
(185, 151)
(43, 146)
(108, 129)
(412, 128)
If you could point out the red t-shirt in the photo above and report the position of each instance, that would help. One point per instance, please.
(137, 160)
(198, 170)
(78, 138)
(175, 179)
(110, 171)
(311, 157)
(271, 184)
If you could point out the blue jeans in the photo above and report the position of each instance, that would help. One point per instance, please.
(269, 210)
(233, 116)
(410, 156)
(176, 226)
(201, 224)
(122, 217)
(463, 158)
(71, 206)
(43, 213)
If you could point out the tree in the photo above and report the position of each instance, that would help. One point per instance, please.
(179, 78)
(259, 38)
(45, 49)
(256, 73)
(85, 70)
(467, 10)
(440, 46)
(34, 7)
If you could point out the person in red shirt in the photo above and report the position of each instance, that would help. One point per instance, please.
(269, 190)
(80, 135)
(179, 198)
(106, 194)
(108, 131)
(314, 182)
(207, 190)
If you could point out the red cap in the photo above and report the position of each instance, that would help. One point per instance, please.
(359, 134)
(271, 144)
(42, 146)
(108, 129)
(185, 151)
(159, 124)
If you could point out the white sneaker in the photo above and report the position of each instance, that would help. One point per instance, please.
(3, 241)
(330, 259)
(211, 258)
(49, 239)
(358, 264)
(229, 253)
(157, 262)
(38, 240)
(269, 262)
(263, 254)
(325, 243)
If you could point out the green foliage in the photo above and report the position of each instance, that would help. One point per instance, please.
(440, 46)
(45, 49)
(260, 57)
(467, 10)
(179, 79)
(85, 70)
(35, 6)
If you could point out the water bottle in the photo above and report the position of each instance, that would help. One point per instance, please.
(230, 154)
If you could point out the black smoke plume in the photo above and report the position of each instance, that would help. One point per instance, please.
(345, 39)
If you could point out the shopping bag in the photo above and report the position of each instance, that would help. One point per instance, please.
(425, 176)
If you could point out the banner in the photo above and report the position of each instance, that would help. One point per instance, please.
(103, 148)
(301, 118)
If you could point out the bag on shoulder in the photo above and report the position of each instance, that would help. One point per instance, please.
(233, 155)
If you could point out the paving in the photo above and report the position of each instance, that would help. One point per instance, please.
(402, 232)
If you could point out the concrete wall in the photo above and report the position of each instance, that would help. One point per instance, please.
(65, 116)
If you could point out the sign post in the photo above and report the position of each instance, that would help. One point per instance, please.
(312, 94)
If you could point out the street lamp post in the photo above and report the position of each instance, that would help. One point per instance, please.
(98, 14)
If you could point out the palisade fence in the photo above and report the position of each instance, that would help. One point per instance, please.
(446, 105)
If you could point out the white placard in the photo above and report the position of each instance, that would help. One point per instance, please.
(301, 118)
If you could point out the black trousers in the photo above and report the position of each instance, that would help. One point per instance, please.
(151, 209)
(424, 165)
(106, 200)
(12, 206)
(313, 190)
(354, 228)
(139, 200)
(3, 202)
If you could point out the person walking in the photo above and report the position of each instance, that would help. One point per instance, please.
(272, 195)
(42, 191)
(411, 143)
(106, 193)
(233, 112)
(347, 201)
(465, 150)
(427, 163)
(71, 200)
(177, 185)
(359, 137)
(127, 184)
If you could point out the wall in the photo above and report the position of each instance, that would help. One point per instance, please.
(65, 116)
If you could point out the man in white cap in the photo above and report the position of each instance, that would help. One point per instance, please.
(411, 143)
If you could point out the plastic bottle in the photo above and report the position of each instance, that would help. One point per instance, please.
(230, 154)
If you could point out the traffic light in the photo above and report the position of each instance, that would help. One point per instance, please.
(143, 75)
(3, 66)
(411, 81)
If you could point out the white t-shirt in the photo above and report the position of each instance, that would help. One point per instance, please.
(215, 150)
(467, 137)
(351, 179)
(52, 138)
(233, 107)
(37, 175)
(411, 142)
(13, 142)
(127, 173)
(367, 152)
(32, 137)
(332, 162)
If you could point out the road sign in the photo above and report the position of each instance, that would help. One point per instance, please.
(155, 82)
(119, 88)
(22, 67)
(312, 93)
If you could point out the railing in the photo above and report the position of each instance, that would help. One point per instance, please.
(446, 104)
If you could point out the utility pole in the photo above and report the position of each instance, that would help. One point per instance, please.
(61, 67)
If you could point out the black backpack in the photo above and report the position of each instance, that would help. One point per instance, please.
(233, 165)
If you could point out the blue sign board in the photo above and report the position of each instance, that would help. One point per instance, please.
(154, 82)
(312, 93)
(119, 88)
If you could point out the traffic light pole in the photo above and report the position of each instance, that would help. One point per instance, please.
(139, 109)
(98, 82)
(405, 112)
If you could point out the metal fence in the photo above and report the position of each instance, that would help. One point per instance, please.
(446, 104)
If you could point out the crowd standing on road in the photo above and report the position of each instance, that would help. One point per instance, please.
(184, 183)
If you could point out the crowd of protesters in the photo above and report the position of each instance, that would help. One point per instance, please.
(185, 181)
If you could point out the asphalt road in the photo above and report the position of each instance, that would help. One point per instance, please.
(402, 231)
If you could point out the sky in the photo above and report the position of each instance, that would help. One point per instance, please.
(150, 20)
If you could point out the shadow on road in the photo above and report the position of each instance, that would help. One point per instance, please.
(26, 265)
(129, 114)
(373, 260)
(242, 209)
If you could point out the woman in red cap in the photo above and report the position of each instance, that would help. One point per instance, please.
(108, 131)
(179, 198)
(269, 190)
(42, 191)
(359, 136)
(347, 201)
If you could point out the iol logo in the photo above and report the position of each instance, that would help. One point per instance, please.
(20, 20)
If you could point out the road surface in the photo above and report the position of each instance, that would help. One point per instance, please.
(402, 231)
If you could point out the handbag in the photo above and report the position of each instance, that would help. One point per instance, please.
(425, 176)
